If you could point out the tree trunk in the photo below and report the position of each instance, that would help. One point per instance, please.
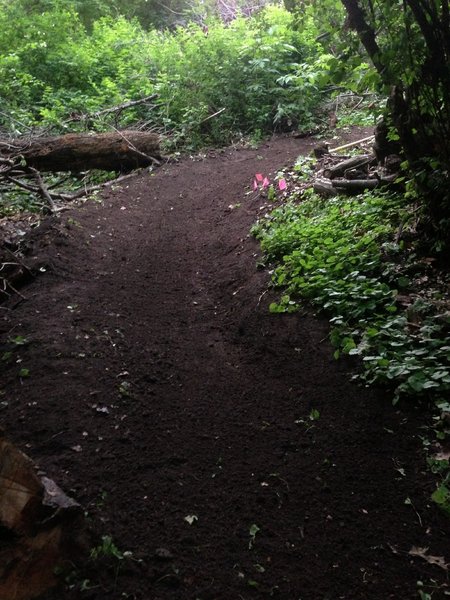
(366, 33)
(118, 151)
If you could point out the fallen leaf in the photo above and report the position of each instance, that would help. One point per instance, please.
(190, 519)
(439, 561)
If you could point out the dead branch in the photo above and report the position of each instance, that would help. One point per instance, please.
(213, 115)
(114, 109)
(355, 143)
(135, 150)
(94, 188)
(43, 189)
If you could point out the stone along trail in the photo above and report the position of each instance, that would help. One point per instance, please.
(166, 399)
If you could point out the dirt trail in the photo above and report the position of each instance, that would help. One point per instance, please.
(160, 388)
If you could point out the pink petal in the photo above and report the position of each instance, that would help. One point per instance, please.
(282, 184)
(265, 183)
(255, 185)
(259, 177)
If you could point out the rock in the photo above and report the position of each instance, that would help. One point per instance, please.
(40, 527)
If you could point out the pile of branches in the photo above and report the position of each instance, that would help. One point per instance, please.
(337, 174)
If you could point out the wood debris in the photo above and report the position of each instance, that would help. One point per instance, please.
(42, 528)
(336, 174)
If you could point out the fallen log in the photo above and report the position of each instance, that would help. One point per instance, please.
(355, 186)
(116, 151)
(350, 163)
(324, 187)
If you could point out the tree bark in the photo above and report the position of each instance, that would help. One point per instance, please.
(365, 32)
(118, 151)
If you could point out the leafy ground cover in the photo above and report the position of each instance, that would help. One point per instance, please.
(386, 304)
(354, 258)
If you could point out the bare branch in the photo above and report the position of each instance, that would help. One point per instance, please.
(114, 109)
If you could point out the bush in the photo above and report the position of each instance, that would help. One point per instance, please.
(261, 70)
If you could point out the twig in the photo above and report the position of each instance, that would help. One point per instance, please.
(11, 287)
(25, 186)
(43, 188)
(135, 150)
(118, 108)
(17, 261)
(15, 120)
(357, 105)
(261, 297)
(212, 116)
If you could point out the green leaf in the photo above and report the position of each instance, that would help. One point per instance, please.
(314, 415)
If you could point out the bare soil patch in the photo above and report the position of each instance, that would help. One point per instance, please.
(161, 388)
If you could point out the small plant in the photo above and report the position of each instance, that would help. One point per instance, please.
(254, 529)
(18, 340)
(314, 415)
(108, 549)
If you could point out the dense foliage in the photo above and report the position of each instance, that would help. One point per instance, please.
(262, 72)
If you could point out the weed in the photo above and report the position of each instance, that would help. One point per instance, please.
(108, 549)
(18, 340)
(254, 529)
(314, 415)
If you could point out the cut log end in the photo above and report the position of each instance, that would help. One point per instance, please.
(41, 527)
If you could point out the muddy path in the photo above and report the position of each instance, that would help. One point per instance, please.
(166, 399)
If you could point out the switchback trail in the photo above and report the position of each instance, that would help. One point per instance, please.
(166, 399)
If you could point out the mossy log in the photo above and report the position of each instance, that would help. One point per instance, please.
(117, 151)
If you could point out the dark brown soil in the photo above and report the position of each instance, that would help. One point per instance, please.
(161, 388)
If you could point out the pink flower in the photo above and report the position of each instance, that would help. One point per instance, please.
(265, 183)
(282, 184)
(259, 177)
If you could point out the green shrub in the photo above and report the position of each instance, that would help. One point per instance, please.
(262, 71)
